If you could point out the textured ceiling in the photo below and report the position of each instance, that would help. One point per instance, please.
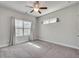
(52, 6)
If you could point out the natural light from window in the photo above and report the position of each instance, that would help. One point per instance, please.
(34, 45)
(22, 28)
(49, 21)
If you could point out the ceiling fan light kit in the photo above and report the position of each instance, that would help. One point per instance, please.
(36, 7)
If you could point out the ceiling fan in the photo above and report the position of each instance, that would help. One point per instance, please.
(36, 7)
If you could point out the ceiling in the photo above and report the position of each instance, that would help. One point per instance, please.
(21, 6)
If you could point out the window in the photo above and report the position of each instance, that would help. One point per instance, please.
(50, 21)
(22, 28)
(27, 27)
(53, 20)
(19, 27)
(46, 22)
(19, 32)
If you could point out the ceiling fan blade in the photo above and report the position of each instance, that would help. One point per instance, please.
(39, 11)
(29, 6)
(31, 11)
(42, 7)
(37, 2)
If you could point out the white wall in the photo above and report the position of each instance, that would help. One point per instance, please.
(77, 25)
(64, 32)
(5, 15)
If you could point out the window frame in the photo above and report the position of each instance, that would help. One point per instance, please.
(23, 27)
(50, 21)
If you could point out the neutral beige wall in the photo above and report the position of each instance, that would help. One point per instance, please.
(64, 32)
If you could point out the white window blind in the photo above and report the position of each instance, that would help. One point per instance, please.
(49, 21)
(22, 28)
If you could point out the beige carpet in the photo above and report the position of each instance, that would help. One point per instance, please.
(38, 49)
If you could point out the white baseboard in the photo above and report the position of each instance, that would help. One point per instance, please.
(4, 45)
(75, 47)
(62, 44)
